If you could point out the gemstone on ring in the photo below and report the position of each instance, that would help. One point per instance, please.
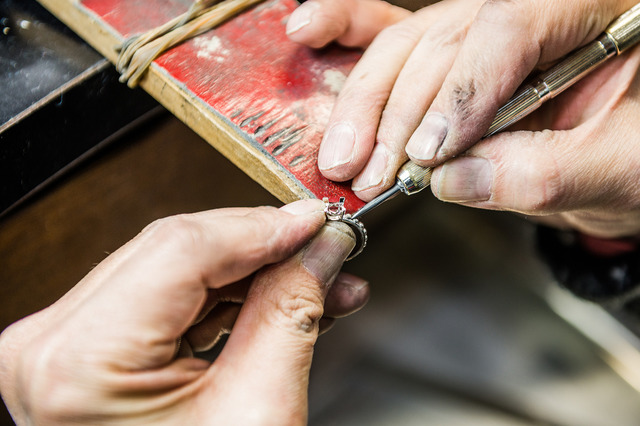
(337, 212)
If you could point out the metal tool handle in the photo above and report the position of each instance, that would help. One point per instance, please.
(413, 178)
(553, 82)
(623, 33)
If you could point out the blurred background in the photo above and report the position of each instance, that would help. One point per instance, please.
(465, 325)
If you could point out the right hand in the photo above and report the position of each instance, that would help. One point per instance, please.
(429, 85)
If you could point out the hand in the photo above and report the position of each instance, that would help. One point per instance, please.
(430, 83)
(115, 349)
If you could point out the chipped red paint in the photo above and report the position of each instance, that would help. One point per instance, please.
(277, 93)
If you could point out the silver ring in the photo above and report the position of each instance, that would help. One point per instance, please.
(336, 212)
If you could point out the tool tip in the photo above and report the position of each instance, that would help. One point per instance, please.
(390, 193)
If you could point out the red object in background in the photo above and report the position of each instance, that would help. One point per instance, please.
(608, 247)
(276, 93)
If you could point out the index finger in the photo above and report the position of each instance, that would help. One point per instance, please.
(156, 288)
(506, 42)
(223, 246)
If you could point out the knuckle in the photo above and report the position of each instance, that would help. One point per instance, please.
(264, 212)
(443, 36)
(270, 239)
(396, 34)
(502, 13)
(545, 194)
(300, 310)
(264, 221)
(48, 378)
(177, 232)
(370, 97)
(546, 186)
(402, 114)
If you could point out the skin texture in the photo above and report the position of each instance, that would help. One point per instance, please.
(429, 85)
(117, 348)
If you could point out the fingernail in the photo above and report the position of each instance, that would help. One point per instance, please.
(348, 294)
(303, 207)
(428, 137)
(465, 179)
(351, 282)
(374, 171)
(337, 146)
(301, 17)
(326, 253)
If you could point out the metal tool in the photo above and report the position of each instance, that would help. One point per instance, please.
(622, 34)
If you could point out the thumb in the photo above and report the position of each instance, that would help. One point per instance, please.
(267, 358)
(533, 173)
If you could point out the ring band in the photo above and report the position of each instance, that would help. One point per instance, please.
(336, 212)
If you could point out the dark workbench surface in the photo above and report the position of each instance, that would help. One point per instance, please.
(59, 100)
(38, 55)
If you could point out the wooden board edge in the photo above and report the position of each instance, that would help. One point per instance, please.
(220, 134)
(224, 136)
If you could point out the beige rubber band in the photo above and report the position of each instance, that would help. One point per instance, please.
(138, 52)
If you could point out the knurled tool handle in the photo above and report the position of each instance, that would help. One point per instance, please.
(623, 33)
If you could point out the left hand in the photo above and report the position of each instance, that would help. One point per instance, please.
(117, 348)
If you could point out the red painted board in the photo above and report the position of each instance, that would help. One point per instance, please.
(276, 93)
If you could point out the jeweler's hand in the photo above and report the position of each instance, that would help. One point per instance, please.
(115, 349)
(430, 84)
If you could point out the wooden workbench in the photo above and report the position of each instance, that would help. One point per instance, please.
(259, 99)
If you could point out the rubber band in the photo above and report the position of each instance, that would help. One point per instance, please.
(138, 52)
